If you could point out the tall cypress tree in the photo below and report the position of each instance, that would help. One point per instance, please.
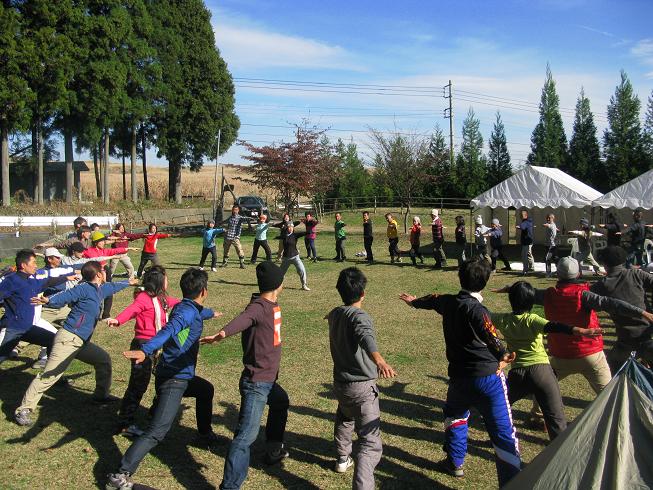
(548, 141)
(197, 96)
(622, 139)
(498, 165)
(648, 132)
(439, 171)
(471, 164)
(584, 151)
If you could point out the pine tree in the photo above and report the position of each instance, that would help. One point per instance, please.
(197, 96)
(648, 132)
(622, 140)
(498, 165)
(548, 141)
(584, 152)
(352, 180)
(471, 164)
(438, 172)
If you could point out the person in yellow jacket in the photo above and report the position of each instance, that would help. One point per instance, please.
(393, 239)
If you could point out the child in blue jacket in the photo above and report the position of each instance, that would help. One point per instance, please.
(208, 244)
(175, 374)
(73, 340)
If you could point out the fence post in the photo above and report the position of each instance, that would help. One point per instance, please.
(374, 204)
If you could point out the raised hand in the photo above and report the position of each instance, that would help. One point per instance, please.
(407, 298)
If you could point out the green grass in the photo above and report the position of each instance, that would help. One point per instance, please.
(71, 444)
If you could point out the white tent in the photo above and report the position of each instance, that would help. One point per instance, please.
(540, 190)
(636, 193)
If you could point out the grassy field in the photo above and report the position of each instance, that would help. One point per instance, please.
(71, 445)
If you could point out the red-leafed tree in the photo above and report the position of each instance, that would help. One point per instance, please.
(301, 168)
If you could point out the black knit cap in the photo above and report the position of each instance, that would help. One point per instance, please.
(268, 276)
(612, 256)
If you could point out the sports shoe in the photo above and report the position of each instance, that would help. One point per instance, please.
(343, 463)
(305, 287)
(22, 417)
(276, 455)
(224, 263)
(446, 466)
(121, 481)
(40, 363)
(201, 268)
(214, 269)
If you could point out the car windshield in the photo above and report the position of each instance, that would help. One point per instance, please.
(249, 201)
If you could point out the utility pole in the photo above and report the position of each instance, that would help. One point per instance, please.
(215, 176)
(448, 114)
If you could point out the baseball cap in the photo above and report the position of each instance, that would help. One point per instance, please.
(52, 252)
(495, 221)
(97, 236)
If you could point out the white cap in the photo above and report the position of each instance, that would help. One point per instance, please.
(495, 221)
(479, 220)
(52, 252)
(435, 212)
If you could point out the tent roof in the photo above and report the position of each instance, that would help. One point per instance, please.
(608, 446)
(636, 193)
(538, 187)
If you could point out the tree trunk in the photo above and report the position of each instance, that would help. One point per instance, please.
(406, 217)
(37, 136)
(146, 187)
(105, 193)
(133, 165)
(96, 169)
(68, 156)
(174, 182)
(124, 177)
(4, 158)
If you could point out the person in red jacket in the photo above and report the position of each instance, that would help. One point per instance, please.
(150, 309)
(150, 240)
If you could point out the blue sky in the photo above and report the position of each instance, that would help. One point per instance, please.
(496, 49)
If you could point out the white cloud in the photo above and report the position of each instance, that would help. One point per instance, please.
(245, 47)
(643, 52)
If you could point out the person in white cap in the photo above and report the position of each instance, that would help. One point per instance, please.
(438, 239)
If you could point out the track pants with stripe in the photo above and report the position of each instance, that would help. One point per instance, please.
(489, 395)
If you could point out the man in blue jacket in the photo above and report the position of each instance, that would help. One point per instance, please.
(175, 374)
(526, 239)
(16, 292)
(73, 340)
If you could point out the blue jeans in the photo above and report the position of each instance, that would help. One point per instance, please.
(489, 395)
(253, 398)
(310, 247)
(169, 393)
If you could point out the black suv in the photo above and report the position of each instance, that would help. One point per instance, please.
(252, 207)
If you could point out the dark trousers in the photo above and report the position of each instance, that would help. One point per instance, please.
(169, 393)
(551, 258)
(108, 301)
(393, 248)
(214, 256)
(139, 380)
(541, 381)
(367, 242)
(310, 247)
(340, 249)
(264, 244)
(253, 398)
(497, 253)
(414, 252)
(145, 257)
(35, 335)
(621, 350)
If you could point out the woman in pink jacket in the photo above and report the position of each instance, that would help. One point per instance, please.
(150, 309)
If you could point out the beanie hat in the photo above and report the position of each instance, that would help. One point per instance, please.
(584, 222)
(269, 276)
(567, 268)
(612, 256)
(495, 221)
(77, 247)
(479, 220)
(97, 236)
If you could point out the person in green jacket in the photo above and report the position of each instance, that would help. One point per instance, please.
(339, 228)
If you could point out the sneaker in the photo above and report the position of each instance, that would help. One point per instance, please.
(305, 287)
(13, 354)
(120, 481)
(106, 399)
(22, 417)
(214, 269)
(242, 265)
(276, 455)
(446, 466)
(399, 261)
(314, 260)
(224, 264)
(40, 363)
(132, 431)
(201, 268)
(343, 463)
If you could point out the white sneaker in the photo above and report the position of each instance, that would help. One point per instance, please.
(305, 287)
(214, 269)
(343, 463)
(201, 268)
